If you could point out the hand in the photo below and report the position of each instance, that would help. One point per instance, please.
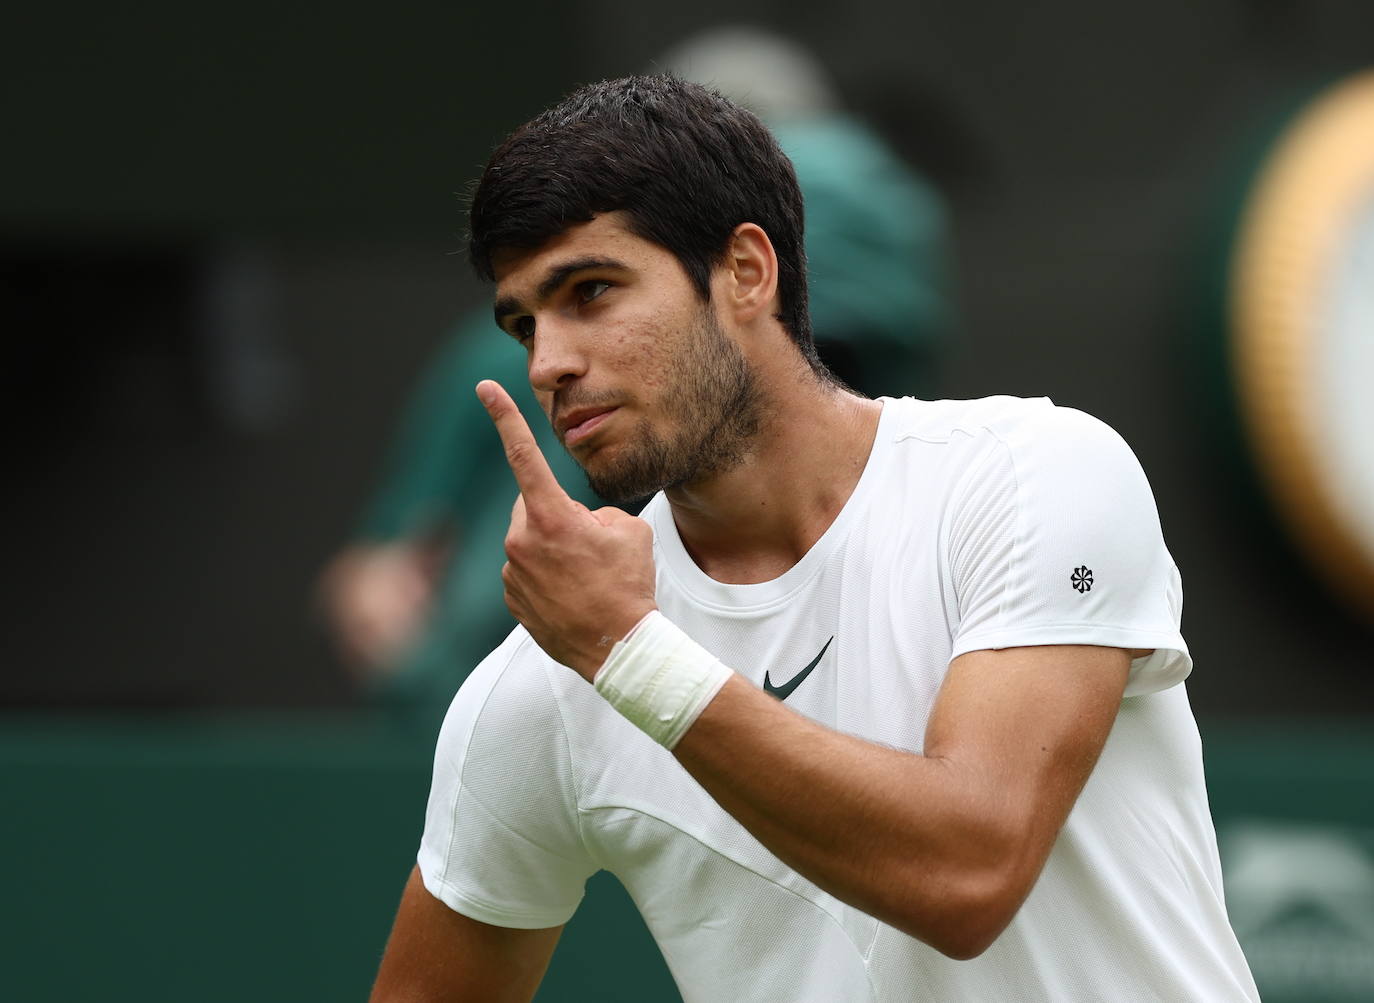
(377, 597)
(578, 580)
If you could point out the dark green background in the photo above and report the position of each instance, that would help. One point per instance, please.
(228, 859)
(212, 858)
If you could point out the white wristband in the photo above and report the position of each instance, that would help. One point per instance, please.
(660, 679)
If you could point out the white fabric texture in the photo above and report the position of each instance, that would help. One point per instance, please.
(974, 525)
(659, 679)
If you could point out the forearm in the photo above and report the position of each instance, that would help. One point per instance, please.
(436, 954)
(925, 844)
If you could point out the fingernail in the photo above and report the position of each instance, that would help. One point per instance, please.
(484, 393)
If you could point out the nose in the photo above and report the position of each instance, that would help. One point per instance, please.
(557, 358)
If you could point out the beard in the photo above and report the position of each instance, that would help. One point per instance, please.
(714, 411)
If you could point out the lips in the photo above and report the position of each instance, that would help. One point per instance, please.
(577, 424)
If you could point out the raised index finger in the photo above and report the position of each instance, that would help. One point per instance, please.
(532, 472)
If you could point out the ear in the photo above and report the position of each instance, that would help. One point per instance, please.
(750, 274)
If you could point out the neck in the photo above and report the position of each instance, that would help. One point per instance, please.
(753, 522)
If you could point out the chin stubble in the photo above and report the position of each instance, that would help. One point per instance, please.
(716, 413)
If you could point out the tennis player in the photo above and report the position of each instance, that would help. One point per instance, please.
(876, 700)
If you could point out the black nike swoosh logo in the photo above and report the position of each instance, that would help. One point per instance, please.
(785, 690)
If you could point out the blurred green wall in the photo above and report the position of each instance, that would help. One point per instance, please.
(212, 858)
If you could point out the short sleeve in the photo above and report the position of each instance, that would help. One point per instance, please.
(1053, 538)
(502, 842)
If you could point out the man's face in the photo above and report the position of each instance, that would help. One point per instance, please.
(641, 383)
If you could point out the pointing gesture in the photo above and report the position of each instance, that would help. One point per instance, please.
(538, 486)
(578, 580)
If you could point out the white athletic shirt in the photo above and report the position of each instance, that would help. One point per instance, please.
(976, 524)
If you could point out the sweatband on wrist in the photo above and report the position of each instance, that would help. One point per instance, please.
(660, 679)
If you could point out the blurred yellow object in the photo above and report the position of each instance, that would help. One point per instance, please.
(1301, 319)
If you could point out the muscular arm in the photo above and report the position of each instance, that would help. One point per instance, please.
(435, 954)
(945, 845)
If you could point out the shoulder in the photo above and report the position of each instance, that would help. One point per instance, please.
(1024, 430)
(502, 840)
(1012, 419)
(1026, 460)
(509, 693)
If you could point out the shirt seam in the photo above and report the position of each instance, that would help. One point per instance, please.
(467, 745)
(503, 824)
(858, 950)
(493, 909)
(1017, 533)
(1069, 625)
(1003, 448)
(587, 845)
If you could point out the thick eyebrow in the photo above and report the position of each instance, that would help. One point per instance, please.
(507, 305)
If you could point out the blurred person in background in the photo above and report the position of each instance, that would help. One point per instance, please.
(409, 600)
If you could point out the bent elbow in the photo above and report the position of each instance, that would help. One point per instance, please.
(967, 944)
(967, 923)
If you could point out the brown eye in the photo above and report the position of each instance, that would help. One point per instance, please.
(588, 291)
